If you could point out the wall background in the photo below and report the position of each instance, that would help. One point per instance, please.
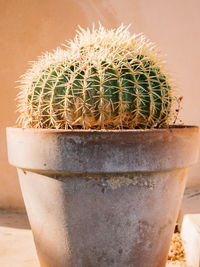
(30, 27)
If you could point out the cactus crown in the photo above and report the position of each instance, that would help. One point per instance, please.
(104, 79)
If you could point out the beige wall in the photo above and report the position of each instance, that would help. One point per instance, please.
(30, 27)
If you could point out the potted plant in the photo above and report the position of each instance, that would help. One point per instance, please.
(101, 171)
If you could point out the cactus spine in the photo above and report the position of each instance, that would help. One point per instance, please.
(104, 79)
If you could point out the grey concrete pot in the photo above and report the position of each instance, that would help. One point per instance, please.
(102, 198)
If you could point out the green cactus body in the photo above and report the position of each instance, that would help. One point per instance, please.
(103, 80)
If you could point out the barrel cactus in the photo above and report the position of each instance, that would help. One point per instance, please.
(103, 79)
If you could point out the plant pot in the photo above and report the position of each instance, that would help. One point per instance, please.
(102, 198)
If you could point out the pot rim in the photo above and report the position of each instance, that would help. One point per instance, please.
(153, 130)
(103, 151)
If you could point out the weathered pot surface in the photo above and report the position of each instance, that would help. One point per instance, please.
(102, 198)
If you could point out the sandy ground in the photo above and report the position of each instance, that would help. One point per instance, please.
(16, 241)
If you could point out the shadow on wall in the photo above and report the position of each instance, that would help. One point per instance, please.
(14, 220)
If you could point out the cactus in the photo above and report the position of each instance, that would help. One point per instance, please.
(104, 79)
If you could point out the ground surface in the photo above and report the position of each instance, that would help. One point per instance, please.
(16, 241)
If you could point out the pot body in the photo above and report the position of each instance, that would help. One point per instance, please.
(102, 198)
